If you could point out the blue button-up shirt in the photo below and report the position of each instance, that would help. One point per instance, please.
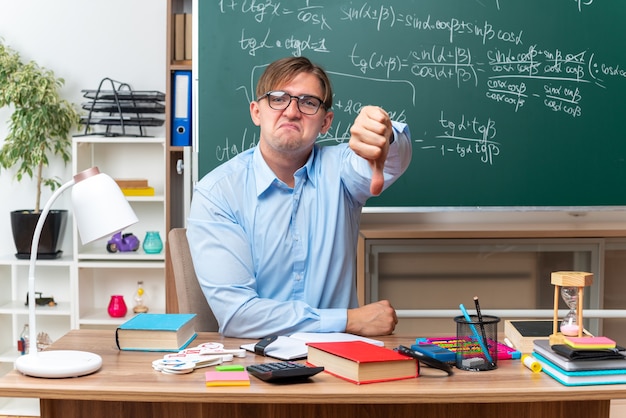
(272, 259)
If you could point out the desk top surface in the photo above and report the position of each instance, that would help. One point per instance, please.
(129, 376)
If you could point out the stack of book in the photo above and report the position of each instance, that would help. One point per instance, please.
(135, 187)
(573, 366)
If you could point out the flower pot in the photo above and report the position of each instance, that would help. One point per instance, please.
(23, 224)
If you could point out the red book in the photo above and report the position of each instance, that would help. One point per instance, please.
(360, 362)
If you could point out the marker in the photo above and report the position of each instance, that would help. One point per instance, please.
(475, 332)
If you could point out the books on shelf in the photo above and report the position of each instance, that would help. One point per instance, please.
(183, 24)
(360, 362)
(294, 347)
(135, 187)
(179, 37)
(156, 332)
(131, 183)
(188, 36)
(138, 191)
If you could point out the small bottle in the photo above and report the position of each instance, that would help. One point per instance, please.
(139, 303)
(22, 343)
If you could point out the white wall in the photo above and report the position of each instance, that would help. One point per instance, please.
(82, 42)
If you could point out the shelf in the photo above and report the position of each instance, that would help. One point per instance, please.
(181, 65)
(18, 307)
(101, 318)
(138, 258)
(9, 355)
(157, 198)
(10, 259)
(20, 407)
(101, 139)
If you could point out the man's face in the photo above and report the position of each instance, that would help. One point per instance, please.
(289, 131)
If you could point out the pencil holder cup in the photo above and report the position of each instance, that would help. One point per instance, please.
(476, 342)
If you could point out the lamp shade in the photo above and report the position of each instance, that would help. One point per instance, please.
(100, 207)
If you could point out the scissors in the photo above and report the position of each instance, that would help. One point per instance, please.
(218, 348)
(174, 366)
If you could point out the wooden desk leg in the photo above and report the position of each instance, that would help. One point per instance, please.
(58, 408)
(361, 258)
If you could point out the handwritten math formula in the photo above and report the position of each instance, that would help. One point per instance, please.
(485, 83)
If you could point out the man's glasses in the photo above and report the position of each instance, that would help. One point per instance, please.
(280, 100)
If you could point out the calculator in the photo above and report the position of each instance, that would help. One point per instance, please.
(283, 371)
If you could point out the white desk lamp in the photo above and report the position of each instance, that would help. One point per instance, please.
(100, 209)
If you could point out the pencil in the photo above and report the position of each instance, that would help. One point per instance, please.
(480, 322)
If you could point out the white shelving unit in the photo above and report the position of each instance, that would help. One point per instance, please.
(101, 274)
(55, 278)
(83, 282)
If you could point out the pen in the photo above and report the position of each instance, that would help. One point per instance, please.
(480, 321)
(476, 335)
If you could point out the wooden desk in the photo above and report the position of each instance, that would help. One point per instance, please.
(126, 386)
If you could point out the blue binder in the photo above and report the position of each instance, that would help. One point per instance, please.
(181, 106)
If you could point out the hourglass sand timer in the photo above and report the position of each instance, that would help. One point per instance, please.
(570, 286)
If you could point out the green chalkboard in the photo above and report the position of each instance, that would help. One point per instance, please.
(514, 103)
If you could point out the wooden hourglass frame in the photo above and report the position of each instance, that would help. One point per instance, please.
(561, 279)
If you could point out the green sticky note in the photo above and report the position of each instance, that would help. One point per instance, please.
(229, 368)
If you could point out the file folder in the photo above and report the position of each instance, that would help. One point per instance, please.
(181, 115)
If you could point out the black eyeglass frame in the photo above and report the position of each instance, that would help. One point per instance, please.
(298, 101)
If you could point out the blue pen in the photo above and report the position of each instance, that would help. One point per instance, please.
(476, 334)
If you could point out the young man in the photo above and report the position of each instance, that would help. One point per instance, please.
(273, 231)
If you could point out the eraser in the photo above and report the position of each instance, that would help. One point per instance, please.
(473, 362)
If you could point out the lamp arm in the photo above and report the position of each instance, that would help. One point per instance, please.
(32, 343)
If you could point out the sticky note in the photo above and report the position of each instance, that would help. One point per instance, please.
(236, 378)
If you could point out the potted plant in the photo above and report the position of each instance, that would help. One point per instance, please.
(39, 128)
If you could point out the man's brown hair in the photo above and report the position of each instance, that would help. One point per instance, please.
(284, 70)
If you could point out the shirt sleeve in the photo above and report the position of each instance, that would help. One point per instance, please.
(225, 269)
(358, 173)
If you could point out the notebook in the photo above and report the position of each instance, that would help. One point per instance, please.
(542, 347)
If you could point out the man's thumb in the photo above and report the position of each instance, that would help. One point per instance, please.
(378, 178)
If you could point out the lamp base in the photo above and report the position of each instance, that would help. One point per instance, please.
(58, 363)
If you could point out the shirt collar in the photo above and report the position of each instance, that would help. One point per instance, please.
(264, 176)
